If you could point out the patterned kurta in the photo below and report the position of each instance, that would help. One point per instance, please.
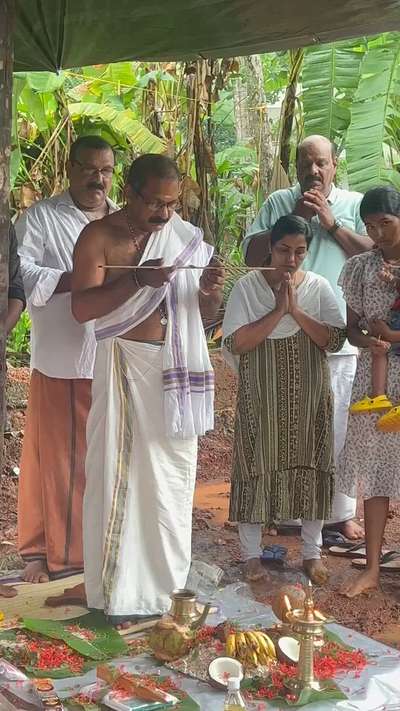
(370, 458)
(283, 448)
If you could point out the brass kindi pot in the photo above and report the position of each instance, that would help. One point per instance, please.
(175, 634)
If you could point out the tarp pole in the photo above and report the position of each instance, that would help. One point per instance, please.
(6, 71)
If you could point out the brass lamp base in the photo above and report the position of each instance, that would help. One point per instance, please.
(297, 685)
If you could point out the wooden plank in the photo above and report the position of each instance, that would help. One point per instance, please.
(138, 627)
(6, 69)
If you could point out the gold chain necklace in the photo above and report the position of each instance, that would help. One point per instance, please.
(139, 247)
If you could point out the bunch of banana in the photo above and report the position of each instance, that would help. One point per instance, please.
(251, 647)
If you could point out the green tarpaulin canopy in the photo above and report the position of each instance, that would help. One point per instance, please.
(54, 34)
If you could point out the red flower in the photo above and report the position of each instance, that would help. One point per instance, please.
(331, 660)
(205, 633)
(53, 656)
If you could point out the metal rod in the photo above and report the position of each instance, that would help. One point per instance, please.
(232, 266)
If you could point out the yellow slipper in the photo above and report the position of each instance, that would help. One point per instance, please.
(390, 422)
(371, 404)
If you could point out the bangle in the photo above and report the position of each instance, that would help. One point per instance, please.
(136, 279)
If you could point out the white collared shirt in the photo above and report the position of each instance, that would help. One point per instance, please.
(325, 255)
(47, 233)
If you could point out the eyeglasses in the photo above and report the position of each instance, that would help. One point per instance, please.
(90, 171)
(156, 205)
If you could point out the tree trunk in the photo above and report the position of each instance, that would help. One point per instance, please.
(199, 145)
(242, 121)
(289, 107)
(258, 119)
(6, 67)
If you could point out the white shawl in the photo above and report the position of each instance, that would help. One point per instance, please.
(187, 372)
(252, 298)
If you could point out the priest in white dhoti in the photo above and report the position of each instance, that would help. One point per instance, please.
(152, 392)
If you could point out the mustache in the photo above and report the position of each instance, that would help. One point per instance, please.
(96, 186)
(157, 221)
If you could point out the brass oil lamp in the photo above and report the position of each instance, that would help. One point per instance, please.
(308, 625)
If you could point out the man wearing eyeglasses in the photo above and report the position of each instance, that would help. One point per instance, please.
(62, 359)
(152, 390)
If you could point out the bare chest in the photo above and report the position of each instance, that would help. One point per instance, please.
(121, 252)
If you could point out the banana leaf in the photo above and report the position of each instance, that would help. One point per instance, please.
(372, 132)
(187, 703)
(331, 74)
(43, 82)
(106, 644)
(123, 122)
(332, 637)
(307, 696)
(8, 636)
(17, 656)
(64, 672)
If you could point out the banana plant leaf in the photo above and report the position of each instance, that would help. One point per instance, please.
(8, 636)
(64, 672)
(332, 637)
(187, 703)
(124, 122)
(370, 136)
(330, 78)
(17, 656)
(106, 643)
(307, 696)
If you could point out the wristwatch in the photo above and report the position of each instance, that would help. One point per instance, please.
(336, 226)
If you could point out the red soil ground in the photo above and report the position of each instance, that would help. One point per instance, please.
(214, 539)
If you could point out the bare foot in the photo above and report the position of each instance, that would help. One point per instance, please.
(352, 530)
(126, 622)
(124, 625)
(7, 591)
(368, 580)
(316, 571)
(349, 529)
(254, 570)
(36, 572)
(71, 596)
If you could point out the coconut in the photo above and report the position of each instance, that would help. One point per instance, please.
(170, 641)
(222, 668)
(296, 597)
(288, 650)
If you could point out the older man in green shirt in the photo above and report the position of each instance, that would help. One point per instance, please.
(338, 233)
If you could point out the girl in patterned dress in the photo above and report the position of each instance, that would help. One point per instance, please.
(379, 401)
(371, 457)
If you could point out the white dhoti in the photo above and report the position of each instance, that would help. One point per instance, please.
(139, 487)
(149, 405)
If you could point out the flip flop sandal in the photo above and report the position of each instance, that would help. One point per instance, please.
(389, 563)
(334, 538)
(348, 550)
(275, 553)
(286, 530)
